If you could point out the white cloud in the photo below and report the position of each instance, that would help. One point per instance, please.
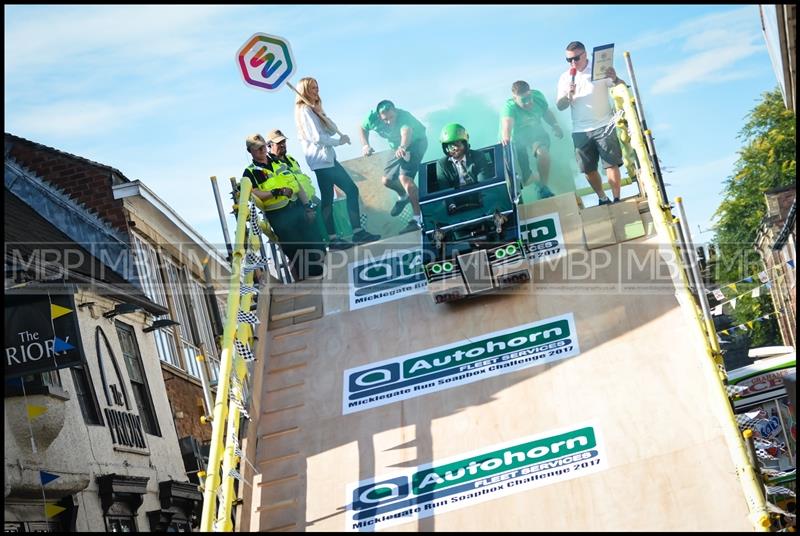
(91, 35)
(77, 118)
(712, 30)
(711, 66)
(712, 45)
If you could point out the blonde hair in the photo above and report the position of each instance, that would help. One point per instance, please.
(304, 93)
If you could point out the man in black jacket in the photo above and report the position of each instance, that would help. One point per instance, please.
(461, 166)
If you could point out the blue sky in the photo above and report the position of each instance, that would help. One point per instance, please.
(155, 91)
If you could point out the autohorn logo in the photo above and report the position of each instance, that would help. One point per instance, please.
(475, 477)
(459, 363)
(543, 237)
(391, 277)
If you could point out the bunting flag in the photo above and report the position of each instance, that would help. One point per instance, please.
(756, 292)
(238, 452)
(238, 476)
(35, 411)
(764, 455)
(744, 327)
(734, 390)
(52, 510)
(253, 217)
(255, 259)
(768, 284)
(718, 294)
(243, 350)
(762, 276)
(733, 303)
(732, 286)
(253, 262)
(750, 420)
(239, 404)
(57, 311)
(245, 289)
(775, 473)
(773, 509)
(250, 318)
(779, 490)
(61, 346)
(763, 443)
(716, 311)
(46, 478)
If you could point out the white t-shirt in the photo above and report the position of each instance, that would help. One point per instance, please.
(591, 108)
(316, 140)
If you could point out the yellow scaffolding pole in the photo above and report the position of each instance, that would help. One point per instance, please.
(220, 411)
(662, 219)
(230, 460)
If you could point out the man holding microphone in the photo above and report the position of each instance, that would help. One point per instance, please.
(593, 131)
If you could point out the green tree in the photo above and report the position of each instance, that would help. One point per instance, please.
(767, 160)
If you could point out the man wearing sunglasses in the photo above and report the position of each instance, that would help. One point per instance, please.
(593, 131)
(461, 166)
(521, 122)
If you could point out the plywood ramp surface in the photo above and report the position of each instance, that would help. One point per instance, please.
(638, 378)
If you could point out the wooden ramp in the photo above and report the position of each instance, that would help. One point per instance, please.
(628, 379)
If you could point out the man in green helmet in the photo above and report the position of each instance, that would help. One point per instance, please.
(461, 165)
(521, 122)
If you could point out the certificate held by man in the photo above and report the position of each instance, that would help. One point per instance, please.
(602, 59)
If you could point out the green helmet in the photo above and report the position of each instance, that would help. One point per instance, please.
(453, 132)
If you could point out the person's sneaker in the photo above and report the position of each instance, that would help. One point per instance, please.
(411, 227)
(605, 201)
(616, 200)
(337, 243)
(545, 192)
(399, 206)
(363, 236)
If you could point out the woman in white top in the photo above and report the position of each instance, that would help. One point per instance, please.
(317, 133)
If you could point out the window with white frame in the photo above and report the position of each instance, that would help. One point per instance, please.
(154, 288)
(203, 323)
(179, 290)
(181, 300)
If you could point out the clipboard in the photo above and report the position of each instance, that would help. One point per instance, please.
(602, 59)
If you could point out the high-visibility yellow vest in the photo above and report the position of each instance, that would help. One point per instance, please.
(266, 179)
(302, 178)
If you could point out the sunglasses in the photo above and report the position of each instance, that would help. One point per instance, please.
(526, 99)
(574, 58)
(455, 145)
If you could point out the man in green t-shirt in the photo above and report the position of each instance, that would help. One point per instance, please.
(521, 121)
(406, 136)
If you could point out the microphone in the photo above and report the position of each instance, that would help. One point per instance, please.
(572, 72)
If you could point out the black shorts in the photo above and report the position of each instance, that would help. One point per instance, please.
(399, 166)
(595, 144)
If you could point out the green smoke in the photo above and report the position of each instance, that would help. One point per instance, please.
(481, 117)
